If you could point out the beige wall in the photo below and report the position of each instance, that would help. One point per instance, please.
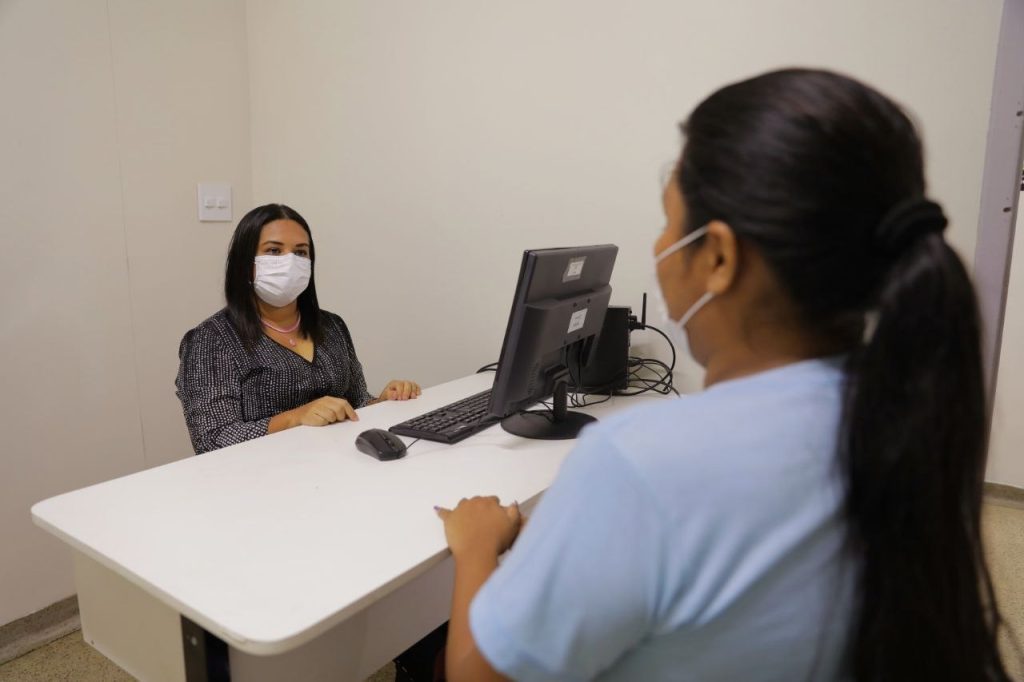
(430, 143)
(181, 75)
(1006, 452)
(112, 111)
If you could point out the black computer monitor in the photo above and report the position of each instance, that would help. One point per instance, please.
(556, 316)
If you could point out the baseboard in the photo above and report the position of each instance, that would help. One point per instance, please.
(1005, 495)
(39, 629)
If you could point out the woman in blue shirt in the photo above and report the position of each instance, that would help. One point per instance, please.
(814, 513)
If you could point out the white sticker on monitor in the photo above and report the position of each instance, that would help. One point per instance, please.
(574, 269)
(577, 320)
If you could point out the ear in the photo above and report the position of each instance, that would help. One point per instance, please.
(721, 249)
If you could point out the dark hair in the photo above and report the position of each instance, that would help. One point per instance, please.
(824, 177)
(238, 290)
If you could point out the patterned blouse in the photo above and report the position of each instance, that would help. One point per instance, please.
(229, 394)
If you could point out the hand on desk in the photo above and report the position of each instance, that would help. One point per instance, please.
(322, 411)
(400, 390)
(481, 524)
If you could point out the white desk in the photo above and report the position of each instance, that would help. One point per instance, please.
(309, 559)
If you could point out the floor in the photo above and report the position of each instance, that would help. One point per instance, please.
(70, 659)
(1003, 528)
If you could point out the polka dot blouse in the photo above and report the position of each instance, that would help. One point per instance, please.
(229, 394)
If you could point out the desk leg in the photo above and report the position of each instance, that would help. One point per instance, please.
(206, 655)
(127, 625)
(152, 641)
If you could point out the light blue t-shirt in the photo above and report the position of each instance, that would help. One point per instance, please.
(694, 539)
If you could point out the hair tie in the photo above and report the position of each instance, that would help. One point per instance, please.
(906, 222)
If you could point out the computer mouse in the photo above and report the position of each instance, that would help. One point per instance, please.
(381, 444)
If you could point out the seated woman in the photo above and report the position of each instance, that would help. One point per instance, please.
(272, 359)
(814, 513)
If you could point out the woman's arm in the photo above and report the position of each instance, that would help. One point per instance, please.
(579, 589)
(357, 394)
(319, 412)
(463, 661)
(478, 531)
(210, 389)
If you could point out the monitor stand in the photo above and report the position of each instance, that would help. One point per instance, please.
(556, 424)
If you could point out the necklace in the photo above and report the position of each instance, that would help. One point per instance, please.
(284, 330)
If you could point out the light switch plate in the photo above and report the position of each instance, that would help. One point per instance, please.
(214, 202)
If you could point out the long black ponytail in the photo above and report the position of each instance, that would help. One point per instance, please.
(824, 176)
(914, 450)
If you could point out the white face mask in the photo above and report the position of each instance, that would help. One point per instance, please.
(676, 330)
(279, 280)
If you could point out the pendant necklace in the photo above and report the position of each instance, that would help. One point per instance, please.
(285, 330)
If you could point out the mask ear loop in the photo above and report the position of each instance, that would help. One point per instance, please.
(694, 309)
(682, 243)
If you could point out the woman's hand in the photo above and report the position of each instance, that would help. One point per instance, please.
(323, 411)
(400, 390)
(319, 412)
(481, 524)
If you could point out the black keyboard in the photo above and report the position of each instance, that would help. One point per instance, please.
(451, 423)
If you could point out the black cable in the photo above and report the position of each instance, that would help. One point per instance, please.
(490, 367)
(662, 375)
(672, 367)
(586, 403)
(576, 386)
(661, 382)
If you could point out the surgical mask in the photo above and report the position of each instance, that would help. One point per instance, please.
(676, 329)
(279, 280)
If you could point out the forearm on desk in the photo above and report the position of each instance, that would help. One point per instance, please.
(463, 661)
(282, 421)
